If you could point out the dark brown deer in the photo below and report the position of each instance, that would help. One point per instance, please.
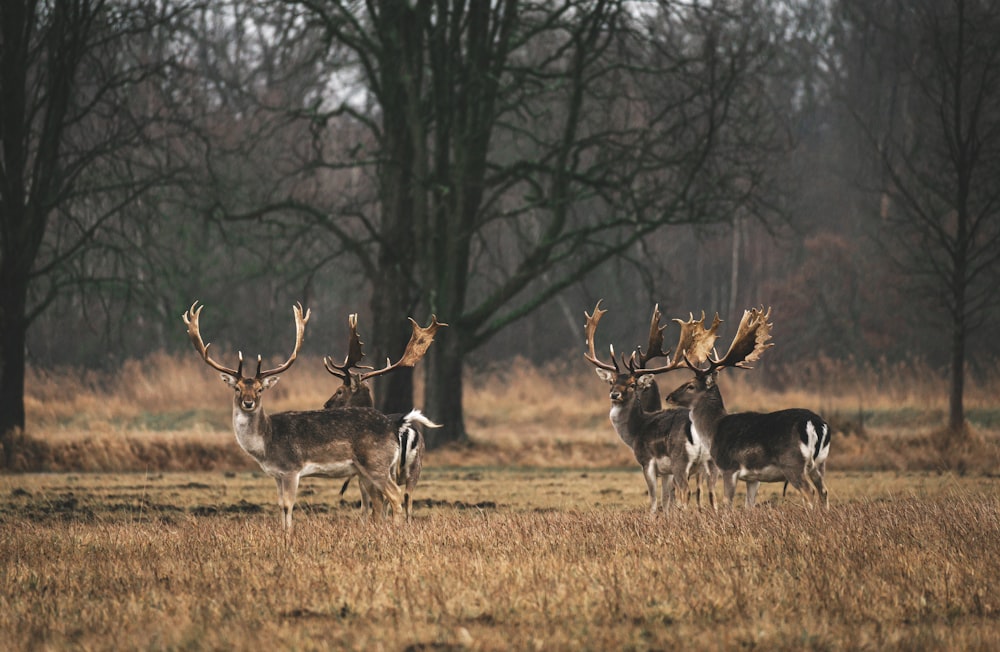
(355, 391)
(292, 445)
(663, 441)
(784, 446)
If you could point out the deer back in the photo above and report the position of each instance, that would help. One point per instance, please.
(755, 440)
(364, 435)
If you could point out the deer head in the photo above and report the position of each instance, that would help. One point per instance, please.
(248, 388)
(355, 390)
(634, 377)
(750, 341)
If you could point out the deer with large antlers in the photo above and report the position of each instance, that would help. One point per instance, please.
(663, 441)
(784, 446)
(355, 391)
(291, 445)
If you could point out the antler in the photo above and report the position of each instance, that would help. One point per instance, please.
(655, 347)
(590, 328)
(354, 353)
(193, 330)
(694, 343)
(300, 331)
(420, 340)
(750, 341)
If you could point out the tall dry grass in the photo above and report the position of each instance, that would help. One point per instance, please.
(173, 412)
(96, 567)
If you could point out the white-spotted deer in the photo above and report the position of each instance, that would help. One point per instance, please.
(292, 445)
(355, 391)
(663, 441)
(784, 446)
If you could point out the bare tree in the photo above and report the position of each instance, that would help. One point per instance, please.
(76, 152)
(518, 146)
(923, 81)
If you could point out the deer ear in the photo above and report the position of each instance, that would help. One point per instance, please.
(645, 381)
(269, 382)
(711, 379)
(229, 379)
(605, 375)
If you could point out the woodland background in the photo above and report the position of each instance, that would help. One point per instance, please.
(502, 165)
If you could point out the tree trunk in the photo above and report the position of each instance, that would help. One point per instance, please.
(956, 407)
(443, 391)
(13, 331)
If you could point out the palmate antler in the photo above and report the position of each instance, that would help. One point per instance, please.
(355, 353)
(194, 333)
(750, 341)
(695, 342)
(416, 348)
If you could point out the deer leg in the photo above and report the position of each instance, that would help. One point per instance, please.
(668, 495)
(378, 504)
(682, 487)
(366, 500)
(817, 479)
(805, 487)
(649, 475)
(752, 487)
(288, 486)
(729, 487)
(711, 476)
(394, 494)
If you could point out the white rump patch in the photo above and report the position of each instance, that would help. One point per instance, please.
(809, 449)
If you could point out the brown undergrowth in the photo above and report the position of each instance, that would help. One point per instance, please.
(173, 413)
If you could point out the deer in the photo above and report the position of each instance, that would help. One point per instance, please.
(355, 391)
(291, 445)
(789, 445)
(663, 441)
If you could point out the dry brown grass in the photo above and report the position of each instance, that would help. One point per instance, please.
(173, 413)
(497, 560)
(535, 536)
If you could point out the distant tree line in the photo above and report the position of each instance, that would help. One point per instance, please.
(501, 165)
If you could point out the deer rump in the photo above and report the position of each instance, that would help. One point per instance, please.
(762, 446)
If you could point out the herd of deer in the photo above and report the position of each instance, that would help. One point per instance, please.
(698, 439)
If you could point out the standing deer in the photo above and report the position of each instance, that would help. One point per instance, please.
(292, 445)
(355, 391)
(663, 441)
(785, 446)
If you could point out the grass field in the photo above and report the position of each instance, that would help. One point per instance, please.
(149, 529)
(495, 559)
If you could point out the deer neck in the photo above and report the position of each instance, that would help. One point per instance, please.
(253, 430)
(708, 411)
(627, 419)
(649, 398)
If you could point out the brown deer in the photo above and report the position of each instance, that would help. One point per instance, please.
(784, 446)
(292, 445)
(663, 441)
(355, 391)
